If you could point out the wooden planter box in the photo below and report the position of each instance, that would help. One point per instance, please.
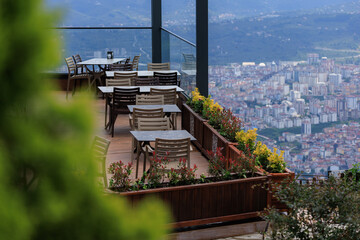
(193, 123)
(275, 178)
(212, 140)
(233, 152)
(200, 204)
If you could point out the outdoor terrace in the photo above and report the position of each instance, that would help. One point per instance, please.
(120, 149)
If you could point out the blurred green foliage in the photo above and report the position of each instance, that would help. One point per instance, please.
(327, 209)
(47, 177)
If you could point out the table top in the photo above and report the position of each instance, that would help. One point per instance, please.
(143, 89)
(171, 108)
(110, 74)
(100, 61)
(150, 136)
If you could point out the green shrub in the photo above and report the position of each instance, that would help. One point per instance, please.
(321, 210)
(47, 174)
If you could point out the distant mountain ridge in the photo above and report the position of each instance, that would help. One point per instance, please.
(138, 13)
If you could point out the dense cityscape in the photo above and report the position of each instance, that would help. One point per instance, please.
(309, 109)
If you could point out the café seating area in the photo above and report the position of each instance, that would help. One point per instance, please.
(142, 110)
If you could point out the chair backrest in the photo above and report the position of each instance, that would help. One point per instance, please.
(158, 66)
(135, 62)
(145, 113)
(70, 65)
(100, 148)
(121, 67)
(121, 75)
(122, 97)
(153, 124)
(77, 58)
(154, 81)
(149, 100)
(118, 82)
(80, 69)
(169, 94)
(173, 149)
(167, 78)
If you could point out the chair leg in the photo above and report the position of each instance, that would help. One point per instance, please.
(67, 88)
(114, 116)
(106, 110)
(74, 87)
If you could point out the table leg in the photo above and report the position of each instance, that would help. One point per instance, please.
(137, 157)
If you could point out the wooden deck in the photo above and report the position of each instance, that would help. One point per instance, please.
(120, 146)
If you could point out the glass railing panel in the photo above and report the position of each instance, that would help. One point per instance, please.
(182, 57)
(179, 17)
(292, 71)
(91, 43)
(109, 13)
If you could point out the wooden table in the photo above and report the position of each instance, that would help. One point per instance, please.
(110, 74)
(150, 136)
(171, 108)
(99, 62)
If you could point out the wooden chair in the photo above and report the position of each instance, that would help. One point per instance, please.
(100, 148)
(173, 150)
(98, 76)
(80, 69)
(169, 98)
(118, 82)
(149, 100)
(150, 124)
(145, 113)
(154, 81)
(121, 98)
(122, 75)
(167, 78)
(114, 83)
(158, 66)
(73, 75)
(169, 94)
(135, 62)
(120, 67)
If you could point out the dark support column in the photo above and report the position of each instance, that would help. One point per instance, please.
(165, 45)
(202, 49)
(156, 30)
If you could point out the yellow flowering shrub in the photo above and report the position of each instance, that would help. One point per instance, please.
(196, 101)
(269, 161)
(276, 162)
(246, 140)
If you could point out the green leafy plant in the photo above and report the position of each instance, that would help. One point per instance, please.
(222, 168)
(48, 175)
(156, 174)
(121, 175)
(321, 210)
(230, 125)
(182, 174)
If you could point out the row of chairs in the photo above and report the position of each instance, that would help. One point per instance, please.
(80, 73)
(132, 79)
